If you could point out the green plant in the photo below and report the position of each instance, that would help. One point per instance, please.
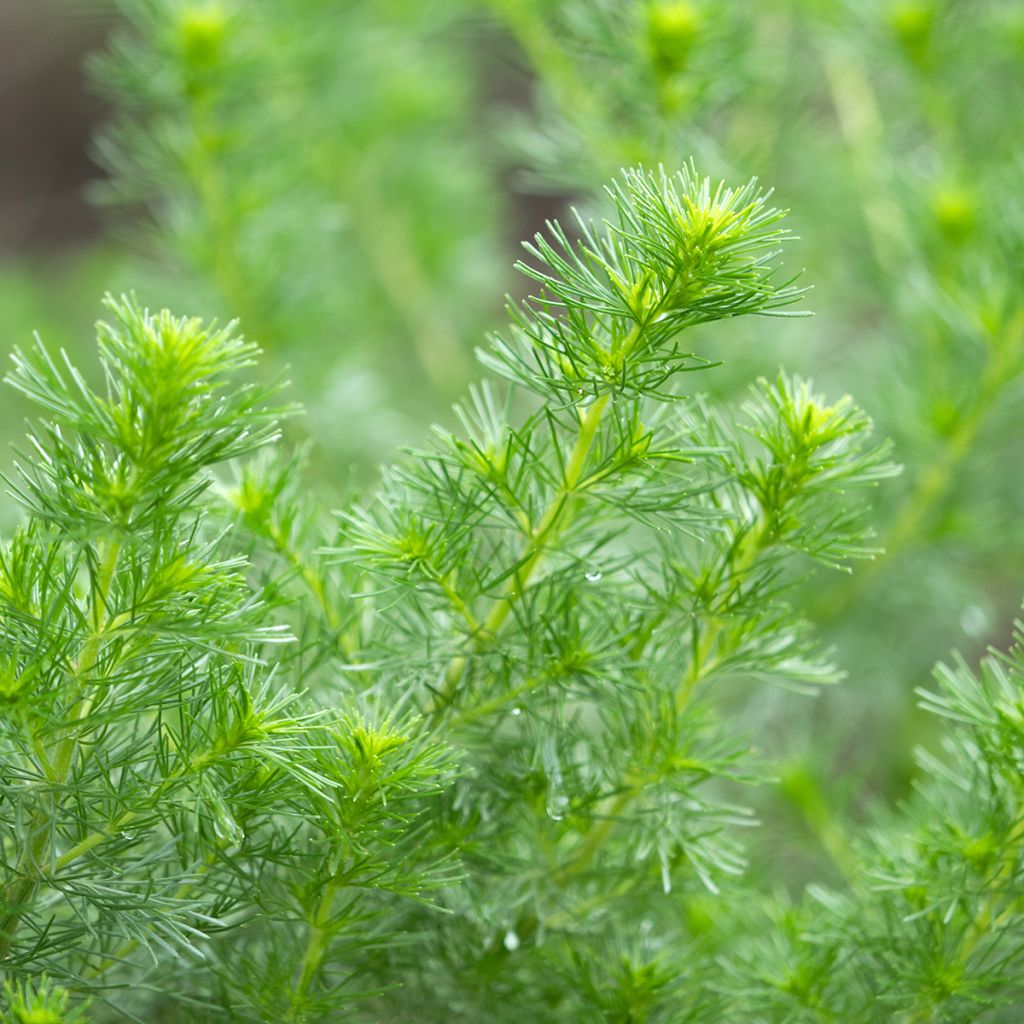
(480, 746)
(318, 185)
(878, 115)
(875, 115)
(491, 742)
(165, 785)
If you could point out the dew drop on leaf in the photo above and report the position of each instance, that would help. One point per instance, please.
(592, 577)
(557, 805)
(511, 941)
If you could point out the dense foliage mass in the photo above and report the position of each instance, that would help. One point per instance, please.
(472, 748)
(538, 724)
(274, 167)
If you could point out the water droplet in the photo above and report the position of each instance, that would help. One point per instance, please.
(511, 941)
(666, 878)
(974, 621)
(228, 831)
(516, 712)
(557, 801)
(592, 577)
(558, 804)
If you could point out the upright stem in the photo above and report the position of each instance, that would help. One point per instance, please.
(939, 475)
(38, 850)
(578, 101)
(861, 125)
(407, 284)
(198, 763)
(316, 945)
(557, 515)
(555, 518)
(702, 665)
(314, 583)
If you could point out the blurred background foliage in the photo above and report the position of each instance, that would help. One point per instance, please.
(351, 178)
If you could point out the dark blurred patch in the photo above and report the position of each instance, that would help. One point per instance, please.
(47, 114)
(507, 86)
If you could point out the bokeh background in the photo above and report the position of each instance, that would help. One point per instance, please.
(54, 251)
(351, 179)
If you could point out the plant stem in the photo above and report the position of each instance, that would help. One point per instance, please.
(743, 557)
(214, 204)
(316, 945)
(861, 125)
(479, 711)
(822, 823)
(198, 763)
(26, 887)
(309, 576)
(553, 519)
(939, 476)
(117, 957)
(407, 285)
(37, 851)
(988, 918)
(314, 583)
(579, 103)
(552, 522)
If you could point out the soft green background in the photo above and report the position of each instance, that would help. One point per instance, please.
(350, 178)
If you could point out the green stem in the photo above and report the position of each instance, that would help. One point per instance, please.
(216, 210)
(390, 252)
(94, 839)
(554, 519)
(316, 945)
(37, 851)
(991, 917)
(861, 125)
(599, 833)
(742, 559)
(578, 100)
(457, 602)
(314, 583)
(118, 956)
(940, 475)
(488, 708)
(810, 802)
(20, 893)
(547, 58)
(198, 763)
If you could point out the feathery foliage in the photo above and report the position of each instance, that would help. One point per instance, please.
(522, 732)
(880, 117)
(165, 786)
(552, 599)
(264, 171)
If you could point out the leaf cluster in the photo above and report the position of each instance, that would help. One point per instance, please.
(165, 783)
(495, 768)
